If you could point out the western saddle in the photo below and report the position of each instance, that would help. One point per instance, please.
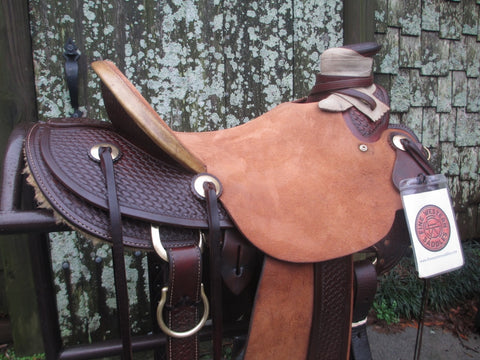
(282, 203)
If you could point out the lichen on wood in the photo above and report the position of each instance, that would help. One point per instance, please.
(201, 64)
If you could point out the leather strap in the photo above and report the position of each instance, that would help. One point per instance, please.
(393, 246)
(106, 163)
(360, 344)
(184, 299)
(215, 246)
(418, 156)
(404, 167)
(332, 315)
(360, 96)
(240, 260)
(365, 289)
(325, 83)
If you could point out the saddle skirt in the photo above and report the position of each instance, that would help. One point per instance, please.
(296, 181)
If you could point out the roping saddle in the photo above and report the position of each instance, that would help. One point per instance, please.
(297, 190)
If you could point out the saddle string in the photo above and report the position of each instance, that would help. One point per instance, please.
(364, 98)
(421, 179)
(365, 288)
(215, 246)
(106, 163)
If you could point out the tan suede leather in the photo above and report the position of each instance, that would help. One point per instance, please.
(297, 185)
(135, 106)
(294, 180)
(282, 316)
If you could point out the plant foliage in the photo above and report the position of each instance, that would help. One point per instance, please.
(9, 354)
(400, 290)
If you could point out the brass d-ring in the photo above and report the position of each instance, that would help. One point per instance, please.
(429, 154)
(184, 334)
(157, 243)
(397, 141)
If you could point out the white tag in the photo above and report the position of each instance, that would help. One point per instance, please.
(432, 226)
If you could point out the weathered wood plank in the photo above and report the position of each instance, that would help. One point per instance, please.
(359, 22)
(17, 104)
(431, 15)
(316, 28)
(259, 50)
(202, 64)
(21, 297)
(185, 66)
(84, 281)
(405, 14)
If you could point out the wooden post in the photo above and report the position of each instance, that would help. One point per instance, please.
(17, 104)
(358, 21)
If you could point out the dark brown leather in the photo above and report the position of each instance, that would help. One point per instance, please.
(332, 313)
(365, 287)
(361, 126)
(184, 302)
(326, 84)
(416, 152)
(215, 247)
(393, 246)
(149, 190)
(239, 261)
(121, 293)
(410, 161)
(366, 49)
(367, 100)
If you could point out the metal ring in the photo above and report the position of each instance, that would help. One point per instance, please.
(397, 141)
(95, 151)
(157, 243)
(158, 246)
(363, 147)
(429, 154)
(200, 179)
(184, 334)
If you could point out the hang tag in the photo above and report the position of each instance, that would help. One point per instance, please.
(432, 226)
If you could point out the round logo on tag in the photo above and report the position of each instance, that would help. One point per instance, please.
(432, 228)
